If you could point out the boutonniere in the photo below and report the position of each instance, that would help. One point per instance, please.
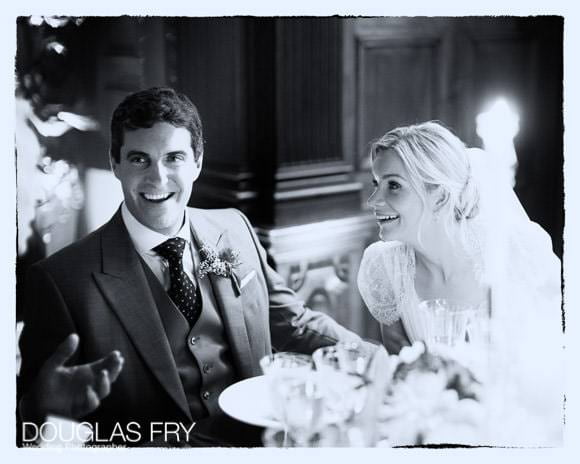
(220, 263)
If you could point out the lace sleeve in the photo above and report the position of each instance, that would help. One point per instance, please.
(385, 275)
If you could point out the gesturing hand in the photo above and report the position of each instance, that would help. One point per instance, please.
(71, 391)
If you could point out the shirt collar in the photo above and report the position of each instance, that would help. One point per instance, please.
(146, 239)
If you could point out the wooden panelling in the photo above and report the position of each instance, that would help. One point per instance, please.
(210, 62)
(397, 83)
(395, 73)
(272, 113)
(309, 91)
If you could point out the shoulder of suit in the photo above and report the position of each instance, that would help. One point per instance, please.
(221, 215)
(84, 250)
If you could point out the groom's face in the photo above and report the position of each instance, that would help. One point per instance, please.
(157, 170)
(397, 206)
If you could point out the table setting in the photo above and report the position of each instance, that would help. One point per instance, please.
(452, 388)
(358, 395)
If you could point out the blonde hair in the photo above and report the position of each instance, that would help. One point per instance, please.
(435, 157)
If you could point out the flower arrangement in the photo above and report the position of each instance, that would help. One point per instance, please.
(220, 263)
(431, 399)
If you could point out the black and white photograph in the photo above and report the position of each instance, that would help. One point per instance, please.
(280, 231)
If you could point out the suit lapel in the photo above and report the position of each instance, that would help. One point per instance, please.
(124, 284)
(226, 293)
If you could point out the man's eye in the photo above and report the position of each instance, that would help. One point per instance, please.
(138, 160)
(175, 158)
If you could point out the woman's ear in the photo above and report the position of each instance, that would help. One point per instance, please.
(439, 198)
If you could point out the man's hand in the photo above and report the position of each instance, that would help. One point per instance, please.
(74, 391)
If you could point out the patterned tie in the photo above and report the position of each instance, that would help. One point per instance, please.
(183, 292)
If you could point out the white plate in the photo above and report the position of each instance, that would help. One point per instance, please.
(249, 401)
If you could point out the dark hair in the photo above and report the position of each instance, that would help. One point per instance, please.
(141, 110)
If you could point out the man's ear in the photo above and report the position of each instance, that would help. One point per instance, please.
(198, 165)
(199, 161)
(113, 165)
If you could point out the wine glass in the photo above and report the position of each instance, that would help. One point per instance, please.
(302, 403)
(344, 370)
(295, 395)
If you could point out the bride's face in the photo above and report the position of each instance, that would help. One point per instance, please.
(398, 207)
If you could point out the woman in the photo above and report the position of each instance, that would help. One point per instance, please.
(449, 229)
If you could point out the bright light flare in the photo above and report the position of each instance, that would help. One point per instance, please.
(499, 122)
(497, 127)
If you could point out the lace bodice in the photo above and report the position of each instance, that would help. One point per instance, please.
(386, 283)
(386, 280)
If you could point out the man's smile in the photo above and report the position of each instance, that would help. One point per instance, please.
(156, 197)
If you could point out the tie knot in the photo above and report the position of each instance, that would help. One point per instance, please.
(171, 249)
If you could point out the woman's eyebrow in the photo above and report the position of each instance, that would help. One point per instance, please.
(386, 176)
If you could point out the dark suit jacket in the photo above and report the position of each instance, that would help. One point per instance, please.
(97, 288)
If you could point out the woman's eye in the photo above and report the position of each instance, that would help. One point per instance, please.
(394, 185)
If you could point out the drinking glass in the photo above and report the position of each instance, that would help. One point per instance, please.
(478, 326)
(296, 398)
(344, 373)
(446, 322)
(459, 331)
(285, 361)
(302, 406)
(350, 358)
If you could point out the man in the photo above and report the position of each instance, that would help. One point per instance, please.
(163, 307)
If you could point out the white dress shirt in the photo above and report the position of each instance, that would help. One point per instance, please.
(145, 239)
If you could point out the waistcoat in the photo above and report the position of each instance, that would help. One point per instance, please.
(201, 353)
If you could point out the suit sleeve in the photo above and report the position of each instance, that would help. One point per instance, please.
(293, 326)
(47, 323)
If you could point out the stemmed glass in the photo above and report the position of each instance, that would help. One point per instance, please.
(296, 394)
(344, 371)
(302, 407)
(459, 331)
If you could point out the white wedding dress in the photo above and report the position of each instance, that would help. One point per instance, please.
(513, 257)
